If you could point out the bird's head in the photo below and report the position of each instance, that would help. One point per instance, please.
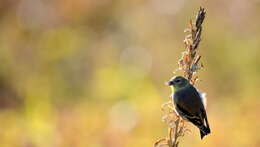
(178, 82)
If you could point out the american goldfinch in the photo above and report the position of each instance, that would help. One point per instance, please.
(188, 103)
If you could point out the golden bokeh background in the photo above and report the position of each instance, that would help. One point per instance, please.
(91, 73)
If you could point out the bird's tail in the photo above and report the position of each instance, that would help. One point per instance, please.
(204, 131)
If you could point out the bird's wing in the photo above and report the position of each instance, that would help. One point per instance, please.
(195, 119)
(189, 99)
(189, 105)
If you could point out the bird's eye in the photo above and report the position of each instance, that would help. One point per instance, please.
(177, 81)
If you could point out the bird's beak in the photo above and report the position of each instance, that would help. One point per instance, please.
(169, 83)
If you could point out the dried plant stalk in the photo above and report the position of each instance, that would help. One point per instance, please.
(189, 65)
(189, 62)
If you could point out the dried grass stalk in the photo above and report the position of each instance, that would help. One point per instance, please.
(189, 65)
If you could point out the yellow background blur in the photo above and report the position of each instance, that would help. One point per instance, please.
(91, 73)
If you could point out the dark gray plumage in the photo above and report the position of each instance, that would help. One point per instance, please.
(189, 105)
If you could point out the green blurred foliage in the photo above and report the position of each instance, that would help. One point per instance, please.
(77, 73)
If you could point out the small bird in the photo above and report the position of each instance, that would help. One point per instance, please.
(189, 104)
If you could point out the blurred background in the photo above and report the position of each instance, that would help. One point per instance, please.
(91, 73)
